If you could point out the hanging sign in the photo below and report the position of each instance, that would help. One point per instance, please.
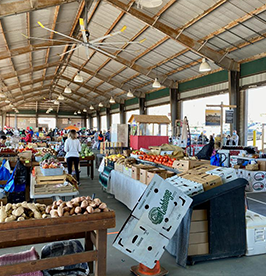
(229, 116)
(213, 117)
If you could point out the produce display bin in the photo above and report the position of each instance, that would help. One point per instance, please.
(93, 228)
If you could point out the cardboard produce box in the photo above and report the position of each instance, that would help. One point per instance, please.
(199, 215)
(136, 170)
(208, 181)
(143, 173)
(262, 165)
(200, 237)
(226, 174)
(151, 173)
(201, 169)
(153, 222)
(127, 171)
(199, 226)
(119, 167)
(185, 165)
(198, 249)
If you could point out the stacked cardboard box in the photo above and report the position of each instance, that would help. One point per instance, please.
(198, 235)
(146, 174)
(111, 147)
(188, 164)
(136, 170)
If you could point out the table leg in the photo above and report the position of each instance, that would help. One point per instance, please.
(101, 244)
(92, 169)
(88, 169)
(88, 247)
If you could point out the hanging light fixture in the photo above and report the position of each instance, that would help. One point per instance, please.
(67, 90)
(100, 105)
(156, 83)
(78, 77)
(79, 112)
(85, 110)
(204, 66)
(75, 113)
(7, 101)
(130, 94)
(56, 102)
(112, 100)
(91, 107)
(60, 97)
(149, 3)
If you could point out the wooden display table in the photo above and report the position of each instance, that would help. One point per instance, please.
(84, 162)
(93, 228)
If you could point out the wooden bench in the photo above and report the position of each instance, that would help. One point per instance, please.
(93, 228)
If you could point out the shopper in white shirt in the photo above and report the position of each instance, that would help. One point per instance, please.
(72, 148)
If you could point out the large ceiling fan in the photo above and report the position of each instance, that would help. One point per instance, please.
(96, 44)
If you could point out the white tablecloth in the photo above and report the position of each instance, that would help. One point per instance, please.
(125, 189)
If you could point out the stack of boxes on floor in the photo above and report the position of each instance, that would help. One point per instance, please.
(256, 179)
(198, 235)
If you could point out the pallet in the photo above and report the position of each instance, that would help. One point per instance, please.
(48, 180)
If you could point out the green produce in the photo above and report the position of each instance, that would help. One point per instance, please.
(85, 151)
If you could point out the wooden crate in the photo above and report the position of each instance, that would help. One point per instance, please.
(48, 180)
(93, 228)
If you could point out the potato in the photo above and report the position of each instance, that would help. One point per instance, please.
(97, 210)
(84, 204)
(20, 219)
(85, 213)
(103, 205)
(88, 198)
(105, 210)
(8, 207)
(48, 209)
(54, 213)
(69, 204)
(44, 216)
(78, 210)
(83, 198)
(59, 202)
(90, 210)
(63, 204)
(11, 218)
(76, 204)
(93, 204)
(60, 211)
(66, 209)
(18, 212)
(66, 214)
(54, 207)
(97, 201)
(72, 211)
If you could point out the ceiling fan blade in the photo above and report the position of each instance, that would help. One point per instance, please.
(70, 50)
(102, 51)
(106, 36)
(50, 30)
(48, 39)
(53, 46)
(119, 42)
(83, 30)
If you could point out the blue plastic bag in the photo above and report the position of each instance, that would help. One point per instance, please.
(4, 172)
(215, 160)
(10, 185)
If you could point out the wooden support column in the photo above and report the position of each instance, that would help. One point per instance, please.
(234, 99)
(122, 113)
(142, 106)
(16, 121)
(36, 120)
(108, 118)
(98, 120)
(173, 107)
(3, 120)
(85, 120)
(91, 122)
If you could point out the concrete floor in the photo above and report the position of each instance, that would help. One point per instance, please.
(119, 264)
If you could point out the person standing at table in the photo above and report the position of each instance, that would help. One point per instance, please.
(72, 148)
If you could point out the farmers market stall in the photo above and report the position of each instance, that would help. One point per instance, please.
(140, 138)
(29, 224)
